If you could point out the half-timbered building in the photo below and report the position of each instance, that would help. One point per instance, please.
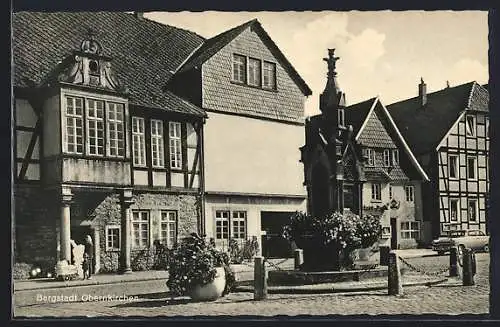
(113, 140)
(448, 132)
(393, 176)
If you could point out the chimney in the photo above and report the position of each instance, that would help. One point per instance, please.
(138, 14)
(447, 84)
(422, 92)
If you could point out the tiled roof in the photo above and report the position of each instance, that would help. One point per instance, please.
(356, 114)
(144, 53)
(213, 45)
(374, 127)
(424, 127)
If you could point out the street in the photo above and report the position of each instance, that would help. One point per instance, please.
(449, 298)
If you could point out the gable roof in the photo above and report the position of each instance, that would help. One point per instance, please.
(442, 110)
(144, 53)
(211, 46)
(360, 114)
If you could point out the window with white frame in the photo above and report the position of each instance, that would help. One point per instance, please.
(370, 155)
(221, 225)
(453, 166)
(239, 224)
(470, 125)
(239, 68)
(410, 230)
(175, 145)
(471, 167)
(341, 117)
(376, 192)
(269, 78)
(157, 153)
(454, 205)
(254, 70)
(395, 157)
(387, 157)
(74, 125)
(168, 228)
(138, 141)
(410, 193)
(230, 224)
(140, 229)
(115, 129)
(112, 237)
(95, 127)
(472, 209)
(99, 115)
(487, 127)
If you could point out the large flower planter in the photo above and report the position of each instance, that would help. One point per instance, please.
(363, 254)
(211, 291)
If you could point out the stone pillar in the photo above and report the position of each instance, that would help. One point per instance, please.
(65, 224)
(395, 283)
(453, 262)
(125, 203)
(468, 272)
(97, 250)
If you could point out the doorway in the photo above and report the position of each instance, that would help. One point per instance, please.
(274, 245)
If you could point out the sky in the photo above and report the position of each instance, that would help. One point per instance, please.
(382, 53)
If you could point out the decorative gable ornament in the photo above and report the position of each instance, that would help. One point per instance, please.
(89, 67)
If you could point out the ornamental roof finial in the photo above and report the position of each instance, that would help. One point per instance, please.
(332, 62)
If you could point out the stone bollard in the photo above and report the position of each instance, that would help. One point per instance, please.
(260, 279)
(468, 270)
(298, 256)
(395, 283)
(453, 262)
(384, 255)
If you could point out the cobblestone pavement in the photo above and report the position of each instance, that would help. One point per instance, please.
(445, 299)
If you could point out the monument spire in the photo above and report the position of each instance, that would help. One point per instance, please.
(332, 97)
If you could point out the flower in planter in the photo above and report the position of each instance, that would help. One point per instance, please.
(193, 263)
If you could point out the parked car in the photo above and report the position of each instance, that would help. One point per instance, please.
(473, 239)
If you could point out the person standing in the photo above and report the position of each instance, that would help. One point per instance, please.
(89, 256)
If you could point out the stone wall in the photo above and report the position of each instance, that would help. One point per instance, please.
(36, 213)
(108, 213)
(37, 216)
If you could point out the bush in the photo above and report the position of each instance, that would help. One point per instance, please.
(193, 263)
(368, 230)
(340, 233)
(246, 252)
(21, 270)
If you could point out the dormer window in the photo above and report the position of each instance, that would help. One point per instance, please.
(94, 73)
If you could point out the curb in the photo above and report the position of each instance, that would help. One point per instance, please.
(93, 283)
(332, 289)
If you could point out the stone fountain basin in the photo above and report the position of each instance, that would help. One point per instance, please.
(297, 277)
